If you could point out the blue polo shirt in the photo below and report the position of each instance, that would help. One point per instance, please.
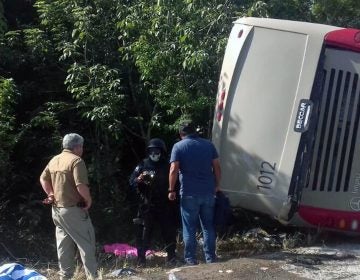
(195, 156)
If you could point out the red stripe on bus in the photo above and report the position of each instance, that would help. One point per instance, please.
(348, 38)
(332, 219)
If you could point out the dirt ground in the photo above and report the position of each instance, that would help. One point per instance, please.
(328, 259)
(335, 261)
(255, 268)
(242, 268)
(325, 262)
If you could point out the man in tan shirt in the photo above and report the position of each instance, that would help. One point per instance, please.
(65, 181)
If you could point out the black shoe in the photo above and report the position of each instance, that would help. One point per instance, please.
(172, 262)
(141, 264)
(191, 262)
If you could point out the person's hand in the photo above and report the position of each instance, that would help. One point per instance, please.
(49, 200)
(87, 205)
(140, 178)
(172, 196)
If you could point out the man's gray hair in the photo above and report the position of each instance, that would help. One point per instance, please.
(72, 140)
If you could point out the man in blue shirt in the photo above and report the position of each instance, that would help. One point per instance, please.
(196, 162)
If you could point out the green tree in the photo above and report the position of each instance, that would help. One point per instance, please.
(177, 48)
(85, 34)
(290, 9)
(3, 25)
(8, 137)
(119, 73)
(344, 13)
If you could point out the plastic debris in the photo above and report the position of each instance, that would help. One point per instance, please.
(15, 271)
(124, 250)
(122, 271)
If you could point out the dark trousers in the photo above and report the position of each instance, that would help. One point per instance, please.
(166, 221)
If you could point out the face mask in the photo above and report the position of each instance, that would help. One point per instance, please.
(154, 156)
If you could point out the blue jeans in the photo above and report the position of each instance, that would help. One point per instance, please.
(193, 208)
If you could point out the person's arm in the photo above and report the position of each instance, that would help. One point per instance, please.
(217, 173)
(136, 177)
(80, 176)
(85, 194)
(173, 176)
(47, 187)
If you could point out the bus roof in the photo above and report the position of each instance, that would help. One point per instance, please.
(288, 25)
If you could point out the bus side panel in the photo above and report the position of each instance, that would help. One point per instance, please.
(237, 39)
(257, 118)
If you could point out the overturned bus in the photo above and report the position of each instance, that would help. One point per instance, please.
(286, 122)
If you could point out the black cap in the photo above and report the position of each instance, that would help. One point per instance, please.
(187, 128)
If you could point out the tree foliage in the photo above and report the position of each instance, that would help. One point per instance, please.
(177, 49)
(118, 72)
(3, 25)
(343, 13)
(8, 99)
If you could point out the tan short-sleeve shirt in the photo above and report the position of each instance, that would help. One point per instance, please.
(66, 171)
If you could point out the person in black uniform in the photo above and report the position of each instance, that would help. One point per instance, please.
(150, 180)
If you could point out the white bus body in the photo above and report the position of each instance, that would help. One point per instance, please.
(286, 122)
